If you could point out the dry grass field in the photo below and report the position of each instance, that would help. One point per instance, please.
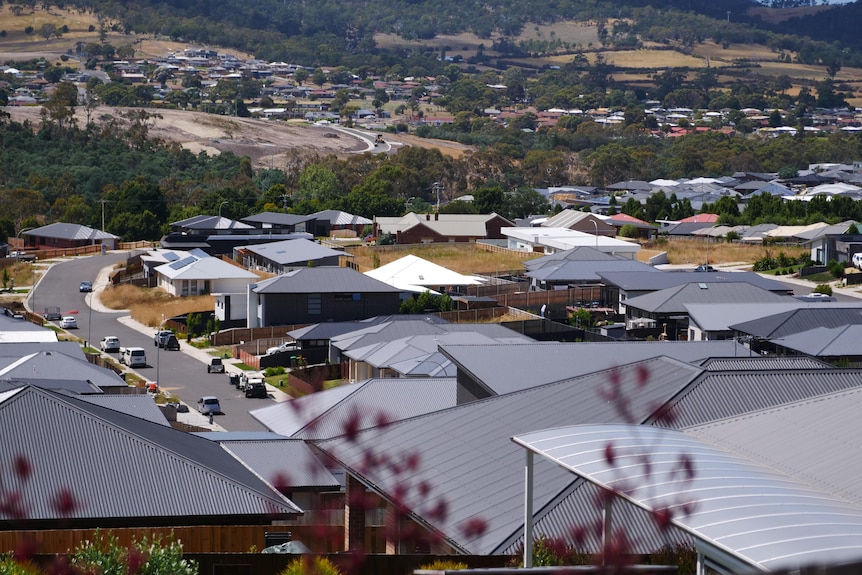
(462, 258)
(148, 306)
(694, 252)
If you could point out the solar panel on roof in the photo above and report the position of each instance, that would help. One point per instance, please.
(171, 257)
(183, 263)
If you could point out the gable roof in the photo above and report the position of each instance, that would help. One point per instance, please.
(412, 273)
(205, 222)
(465, 456)
(568, 218)
(276, 218)
(48, 429)
(364, 404)
(64, 231)
(674, 299)
(454, 225)
(294, 251)
(322, 280)
(339, 218)
(73, 373)
(392, 331)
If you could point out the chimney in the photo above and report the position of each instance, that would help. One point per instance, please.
(436, 216)
(427, 217)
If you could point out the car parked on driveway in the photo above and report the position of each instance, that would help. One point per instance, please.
(109, 344)
(68, 322)
(215, 366)
(85, 287)
(209, 404)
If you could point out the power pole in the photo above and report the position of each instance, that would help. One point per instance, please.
(103, 213)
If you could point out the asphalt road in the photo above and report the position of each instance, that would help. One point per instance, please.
(179, 373)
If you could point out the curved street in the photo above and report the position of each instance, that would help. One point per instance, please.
(173, 370)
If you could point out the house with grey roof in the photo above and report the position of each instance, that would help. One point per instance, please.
(56, 370)
(288, 255)
(94, 454)
(314, 295)
(279, 222)
(586, 222)
(838, 345)
(328, 221)
(667, 308)
(620, 286)
(60, 235)
(800, 318)
(217, 235)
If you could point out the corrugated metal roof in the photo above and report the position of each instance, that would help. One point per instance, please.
(640, 281)
(721, 316)
(764, 363)
(587, 270)
(581, 253)
(466, 459)
(19, 349)
(294, 251)
(323, 280)
(719, 395)
(283, 463)
(64, 231)
(137, 405)
(397, 331)
(416, 274)
(205, 222)
(813, 440)
(203, 268)
(277, 218)
(805, 318)
(674, 299)
(825, 342)
(365, 404)
(755, 514)
(507, 368)
(338, 218)
(53, 365)
(195, 478)
(385, 354)
(328, 330)
(577, 511)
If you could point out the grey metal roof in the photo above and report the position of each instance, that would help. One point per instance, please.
(294, 251)
(720, 316)
(817, 233)
(283, 463)
(57, 366)
(506, 368)
(674, 299)
(205, 222)
(743, 512)
(684, 228)
(581, 253)
(765, 363)
(74, 386)
(804, 318)
(196, 479)
(328, 330)
(587, 270)
(825, 342)
(812, 439)
(338, 218)
(139, 405)
(365, 404)
(384, 333)
(323, 280)
(64, 231)
(276, 218)
(640, 281)
(20, 349)
(719, 395)
(431, 365)
(466, 459)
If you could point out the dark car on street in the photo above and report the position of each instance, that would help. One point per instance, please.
(215, 366)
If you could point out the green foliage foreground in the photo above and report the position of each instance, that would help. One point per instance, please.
(103, 555)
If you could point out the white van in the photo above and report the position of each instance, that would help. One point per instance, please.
(134, 357)
(857, 260)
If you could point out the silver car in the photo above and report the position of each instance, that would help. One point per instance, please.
(209, 405)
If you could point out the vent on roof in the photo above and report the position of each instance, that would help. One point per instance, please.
(703, 286)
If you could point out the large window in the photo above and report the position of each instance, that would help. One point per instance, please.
(314, 304)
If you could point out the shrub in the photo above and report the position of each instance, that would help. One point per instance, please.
(835, 268)
(441, 565)
(271, 371)
(10, 566)
(105, 555)
(311, 566)
(629, 231)
(822, 288)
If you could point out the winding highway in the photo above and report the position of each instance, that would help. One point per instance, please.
(181, 373)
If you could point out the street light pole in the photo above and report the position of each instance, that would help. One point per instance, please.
(158, 351)
(595, 225)
(17, 247)
(220, 205)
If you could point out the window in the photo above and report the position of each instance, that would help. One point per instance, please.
(314, 304)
